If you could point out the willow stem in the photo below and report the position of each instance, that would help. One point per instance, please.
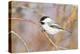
(57, 47)
(20, 39)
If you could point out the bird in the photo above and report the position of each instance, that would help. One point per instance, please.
(50, 26)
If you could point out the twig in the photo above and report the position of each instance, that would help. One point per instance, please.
(30, 21)
(57, 47)
(50, 39)
(20, 39)
(71, 18)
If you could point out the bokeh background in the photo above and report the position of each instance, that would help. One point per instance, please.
(28, 36)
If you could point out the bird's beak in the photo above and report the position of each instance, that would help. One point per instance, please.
(42, 22)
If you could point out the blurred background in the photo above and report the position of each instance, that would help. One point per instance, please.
(28, 36)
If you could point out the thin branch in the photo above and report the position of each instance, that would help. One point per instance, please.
(71, 18)
(50, 39)
(25, 20)
(13, 32)
(57, 47)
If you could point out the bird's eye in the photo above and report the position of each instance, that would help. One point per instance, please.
(42, 22)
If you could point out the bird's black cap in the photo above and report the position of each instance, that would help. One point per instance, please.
(44, 17)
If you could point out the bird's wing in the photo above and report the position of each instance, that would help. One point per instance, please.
(56, 26)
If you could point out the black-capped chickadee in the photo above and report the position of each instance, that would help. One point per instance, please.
(50, 26)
